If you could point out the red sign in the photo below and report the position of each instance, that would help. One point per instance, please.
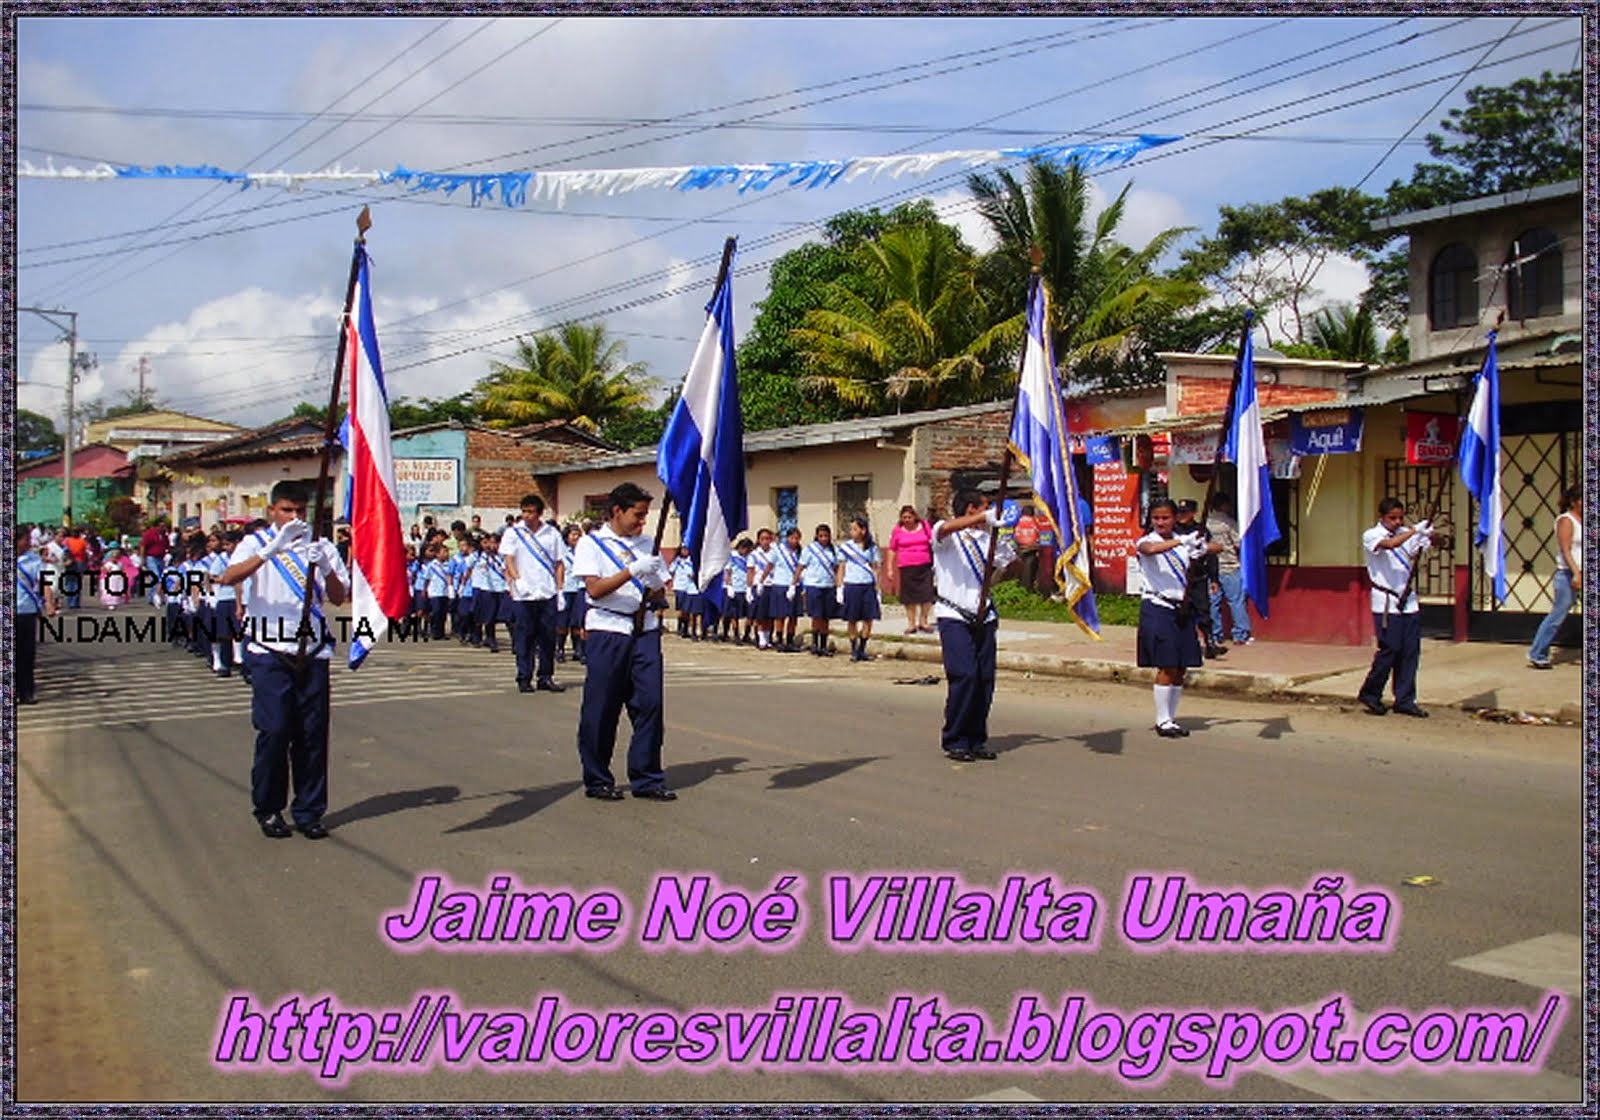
(1116, 524)
(1431, 438)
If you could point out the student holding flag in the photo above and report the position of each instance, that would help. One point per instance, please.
(1392, 550)
(531, 552)
(622, 575)
(966, 640)
(290, 696)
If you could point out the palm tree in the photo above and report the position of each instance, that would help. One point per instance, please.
(1102, 289)
(573, 373)
(908, 328)
(1348, 333)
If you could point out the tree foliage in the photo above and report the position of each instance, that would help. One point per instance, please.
(408, 413)
(913, 330)
(36, 433)
(576, 373)
(770, 361)
(1105, 295)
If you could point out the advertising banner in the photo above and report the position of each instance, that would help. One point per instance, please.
(1336, 432)
(1431, 438)
(427, 482)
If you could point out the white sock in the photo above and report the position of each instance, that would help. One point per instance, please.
(1174, 694)
(1163, 704)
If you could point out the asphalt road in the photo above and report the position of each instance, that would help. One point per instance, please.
(147, 897)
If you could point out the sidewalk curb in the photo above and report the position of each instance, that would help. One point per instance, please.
(1237, 682)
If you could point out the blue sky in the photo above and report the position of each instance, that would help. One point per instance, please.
(239, 322)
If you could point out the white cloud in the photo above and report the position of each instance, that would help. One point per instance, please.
(955, 208)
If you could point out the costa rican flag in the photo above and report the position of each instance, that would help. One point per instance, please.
(378, 586)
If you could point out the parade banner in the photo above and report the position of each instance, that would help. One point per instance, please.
(1334, 432)
(1431, 438)
(1102, 449)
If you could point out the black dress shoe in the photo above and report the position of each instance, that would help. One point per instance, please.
(1215, 652)
(604, 793)
(524, 686)
(1373, 707)
(984, 753)
(551, 686)
(313, 831)
(274, 827)
(1411, 710)
(960, 756)
(655, 793)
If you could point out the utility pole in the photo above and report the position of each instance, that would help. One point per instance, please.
(54, 317)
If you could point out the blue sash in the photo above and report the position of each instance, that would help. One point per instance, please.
(621, 565)
(853, 554)
(294, 574)
(31, 587)
(968, 553)
(816, 550)
(536, 548)
(791, 563)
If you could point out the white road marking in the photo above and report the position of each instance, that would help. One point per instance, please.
(1552, 961)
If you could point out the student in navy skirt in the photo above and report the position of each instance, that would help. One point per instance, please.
(736, 591)
(858, 586)
(575, 603)
(819, 575)
(763, 559)
(1168, 641)
(783, 592)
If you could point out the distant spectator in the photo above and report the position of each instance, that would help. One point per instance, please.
(911, 545)
(1569, 569)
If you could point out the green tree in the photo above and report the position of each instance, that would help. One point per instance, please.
(1348, 334)
(36, 432)
(770, 362)
(1105, 295)
(1268, 255)
(575, 373)
(642, 427)
(408, 413)
(914, 333)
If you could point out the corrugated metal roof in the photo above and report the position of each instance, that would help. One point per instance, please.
(1413, 218)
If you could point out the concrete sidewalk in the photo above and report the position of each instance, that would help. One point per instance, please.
(1472, 676)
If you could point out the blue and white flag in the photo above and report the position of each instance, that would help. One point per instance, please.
(1039, 441)
(701, 456)
(1246, 448)
(1480, 469)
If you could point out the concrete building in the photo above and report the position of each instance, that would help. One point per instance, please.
(231, 478)
(823, 474)
(100, 473)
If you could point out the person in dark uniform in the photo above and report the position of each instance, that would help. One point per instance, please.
(1392, 550)
(290, 699)
(1202, 573)
(621, 573)
(35, 600)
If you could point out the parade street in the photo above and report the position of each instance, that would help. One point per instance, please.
(148, 898)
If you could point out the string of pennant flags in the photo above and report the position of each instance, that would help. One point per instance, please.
(518, 188)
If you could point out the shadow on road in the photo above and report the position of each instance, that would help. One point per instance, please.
(398, 802)
(810, 773)
(1000, 744)
(524, 804)
(1275, 728)
(1105, 742)
(687, 774)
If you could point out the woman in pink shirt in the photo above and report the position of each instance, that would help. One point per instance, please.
(911, 545)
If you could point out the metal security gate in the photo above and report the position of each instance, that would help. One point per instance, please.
(1534, 469)
(1418, 488)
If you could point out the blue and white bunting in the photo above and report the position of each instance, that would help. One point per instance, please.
(700, 459)
(1480, 469)
(1246, 448)
(519, 187)
(1039, 441)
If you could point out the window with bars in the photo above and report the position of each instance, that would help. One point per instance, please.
(849, 500)
(1533, 275)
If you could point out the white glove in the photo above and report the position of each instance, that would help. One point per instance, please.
(650, 571)
(790, 594)
(991, 517)
(323, 554)
(561, 600)
(287, 537)
(1423, 528)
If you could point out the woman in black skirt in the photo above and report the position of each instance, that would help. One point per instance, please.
(1168, 642)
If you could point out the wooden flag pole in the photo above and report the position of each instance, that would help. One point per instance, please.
(1227, 414)
(330, 431)
(666, 501)
(1034, 280)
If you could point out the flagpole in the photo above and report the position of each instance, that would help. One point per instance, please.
(329, 432)
(1034, 280)
(1227, 414)
(666, 501)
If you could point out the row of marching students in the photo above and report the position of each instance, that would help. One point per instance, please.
(767, 586)
(471, 591)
